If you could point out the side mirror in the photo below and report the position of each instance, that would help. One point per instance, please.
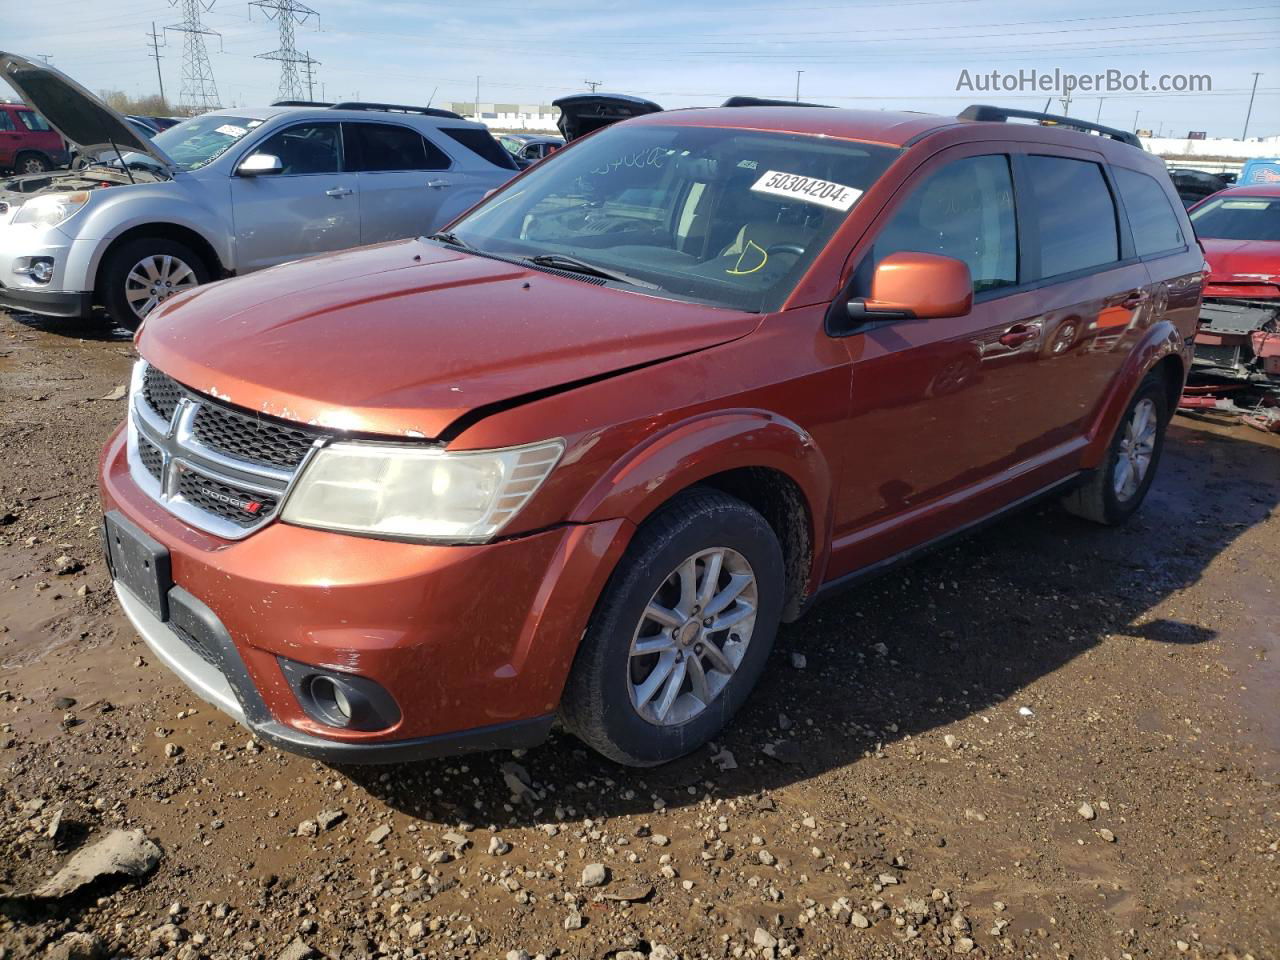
(260, 165)
(916, 286)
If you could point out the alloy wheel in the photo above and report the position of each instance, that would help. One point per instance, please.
(33, 165)
(1137, 445)
(155, 279)
(692, 636)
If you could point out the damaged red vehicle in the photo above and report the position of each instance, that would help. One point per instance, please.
(1237, 348)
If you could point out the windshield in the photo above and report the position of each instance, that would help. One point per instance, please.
(1239, 218)
(726, 217)
(201, 140)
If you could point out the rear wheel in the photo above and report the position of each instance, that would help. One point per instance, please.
(141, 274)
(681, 633)
(1114, 493)
(30, 163)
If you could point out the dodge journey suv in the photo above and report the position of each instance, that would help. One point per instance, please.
(581, 453)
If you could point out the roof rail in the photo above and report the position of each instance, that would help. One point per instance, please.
(396, 108)
(980, 111)
(301, 103)
(766, 102)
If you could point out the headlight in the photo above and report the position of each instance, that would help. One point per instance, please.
(50, 209)
(418, 493)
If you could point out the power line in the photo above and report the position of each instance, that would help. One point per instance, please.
(198, 92)
(287, 14)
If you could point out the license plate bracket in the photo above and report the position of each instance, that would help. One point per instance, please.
(138, 561)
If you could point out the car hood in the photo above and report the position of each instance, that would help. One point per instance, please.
(81, 118)
(404, 338)
(1242, 261)
(581, 113)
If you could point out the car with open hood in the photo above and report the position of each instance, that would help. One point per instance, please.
(1237, 348)
(144, 215)
(579, 454)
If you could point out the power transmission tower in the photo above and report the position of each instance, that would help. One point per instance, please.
(287, 14)
(154, 39)
(198, 92)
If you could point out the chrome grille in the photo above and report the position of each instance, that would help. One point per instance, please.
(221, 469)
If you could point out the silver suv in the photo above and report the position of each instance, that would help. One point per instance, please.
(223, 193)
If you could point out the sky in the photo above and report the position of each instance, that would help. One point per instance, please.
(905, 55)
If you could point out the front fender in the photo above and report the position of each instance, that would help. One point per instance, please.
(692, 450)
(1161, 340)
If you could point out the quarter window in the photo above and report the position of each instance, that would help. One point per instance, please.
(6, 122)
(1077, 215)
(374, 147)
(964, 210)
(1151, 218)
(33, 121)
(306, 148)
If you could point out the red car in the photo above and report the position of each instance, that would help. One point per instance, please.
(27, 143)
(581, 453)
(1237, 349)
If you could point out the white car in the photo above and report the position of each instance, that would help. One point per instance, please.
(220, 194)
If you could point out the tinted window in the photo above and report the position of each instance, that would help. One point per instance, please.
(383, 146)
(965, 210)
(1151, 217)
(481, 143)
(1077, 215)
(1239, 217)
(306, 148)
(6, 122)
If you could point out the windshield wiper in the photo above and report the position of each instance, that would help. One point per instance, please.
(561, 261)
(452, 239)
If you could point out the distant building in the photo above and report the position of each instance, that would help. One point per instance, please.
(510, 116)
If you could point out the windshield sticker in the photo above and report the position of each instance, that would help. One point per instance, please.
(231, 130)
(809, 189)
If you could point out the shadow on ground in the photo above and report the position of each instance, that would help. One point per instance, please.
(965, 629)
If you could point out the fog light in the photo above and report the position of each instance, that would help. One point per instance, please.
(41, 269)
(340, 699)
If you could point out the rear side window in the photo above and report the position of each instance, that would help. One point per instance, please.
(1151, 218)
(33, 121)
(964, 210)
(1077, 215)
(481, 143)
(6, 122)
(374, 147)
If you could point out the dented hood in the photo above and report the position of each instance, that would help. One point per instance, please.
(77, 115)
(405, 338)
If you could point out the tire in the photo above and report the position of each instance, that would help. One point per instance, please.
(26, 163)
(115, 285)
(600, 703)
(1104, 498)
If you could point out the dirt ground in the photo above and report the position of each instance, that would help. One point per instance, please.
(910, 781)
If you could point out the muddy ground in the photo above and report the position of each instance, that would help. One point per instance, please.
(915, 789)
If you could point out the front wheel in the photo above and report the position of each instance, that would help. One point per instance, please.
(1114, 493)
(681, 633)
(141, 274)
(31, 163)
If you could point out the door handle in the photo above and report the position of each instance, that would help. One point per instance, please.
(437, 184)
(338, 192)
(1017, 335)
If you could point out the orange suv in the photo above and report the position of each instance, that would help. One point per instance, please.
(581, 453)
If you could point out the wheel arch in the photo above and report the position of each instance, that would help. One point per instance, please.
(767, 461)
(166, 231)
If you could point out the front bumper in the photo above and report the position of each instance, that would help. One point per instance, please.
(49, 303)
(474, 643)
(69, 292)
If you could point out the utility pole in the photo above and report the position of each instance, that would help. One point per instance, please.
(45, 57)
(155, 55)
(1249, 112)
(1066, 104)
(1098, 118)
(1135, 120)
(593, 84)
(477, 116)
(308, 64)
(798, 72)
